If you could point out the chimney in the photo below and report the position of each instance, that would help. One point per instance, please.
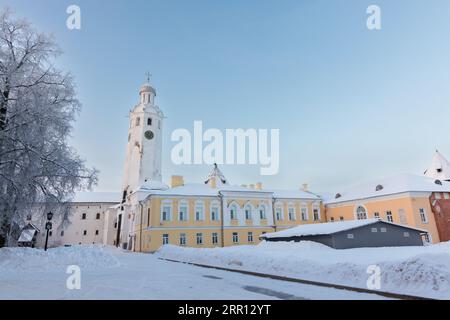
(177, 181)
(304, 187)
(258, 186)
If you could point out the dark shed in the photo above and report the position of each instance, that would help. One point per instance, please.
(352, 234)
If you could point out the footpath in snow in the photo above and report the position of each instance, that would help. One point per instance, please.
(421, 271)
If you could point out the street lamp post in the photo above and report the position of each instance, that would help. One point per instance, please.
(48, 227)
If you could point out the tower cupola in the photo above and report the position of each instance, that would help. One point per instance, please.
(147, 94)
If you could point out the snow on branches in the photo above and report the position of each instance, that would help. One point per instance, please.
(38, 106)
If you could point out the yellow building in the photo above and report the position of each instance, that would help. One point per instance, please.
(215, 213)
(416, 201)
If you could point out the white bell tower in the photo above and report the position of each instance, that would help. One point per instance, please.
(144, 148)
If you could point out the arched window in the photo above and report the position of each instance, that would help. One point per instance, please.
(233, 212)
(138, 121)
(262, 212)
(248, 212)
(361, 213)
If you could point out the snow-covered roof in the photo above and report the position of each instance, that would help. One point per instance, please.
(202, 189)
(153, 185)
(208, 189)
(243, 189)
(147, 88)
(27, 235)
(294, 194)
(97, 197)
(188, 189)
(439, 168)
(393, 185)
(326, 228)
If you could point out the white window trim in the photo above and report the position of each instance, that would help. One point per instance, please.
(425, 215)
(216, 236)
(183, 203)
(356, 211)
(279, 207)
(248, 207)
(304, 206)
(294, 209)
(199, 236)
(199, 204)
(166, 203)
(214, 205)
(387, 216)
(168, 238)
(319, 214)
(262, 207)
(234, 206)
(182, 236)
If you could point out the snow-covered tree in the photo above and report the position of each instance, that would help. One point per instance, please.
(38, 106)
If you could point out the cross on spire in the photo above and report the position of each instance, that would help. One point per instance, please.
(148, 75)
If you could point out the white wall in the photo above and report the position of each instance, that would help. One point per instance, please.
(74, 229)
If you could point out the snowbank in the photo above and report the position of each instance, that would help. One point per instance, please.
(422, 271)
(28, 259)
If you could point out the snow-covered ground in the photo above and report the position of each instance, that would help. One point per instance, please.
(420, 271)
(110, 273)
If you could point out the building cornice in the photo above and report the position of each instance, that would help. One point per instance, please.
(394, 196)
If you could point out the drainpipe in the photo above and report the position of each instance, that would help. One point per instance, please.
(222, 240)
(141, 223)
(273, 215)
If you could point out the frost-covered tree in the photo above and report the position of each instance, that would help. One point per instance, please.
(38, 106)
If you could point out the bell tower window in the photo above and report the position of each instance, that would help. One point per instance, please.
(138, 121)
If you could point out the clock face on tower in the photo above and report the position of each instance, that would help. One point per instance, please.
(149, 135)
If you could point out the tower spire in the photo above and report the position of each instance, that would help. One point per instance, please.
(439, 168)
(216, 176)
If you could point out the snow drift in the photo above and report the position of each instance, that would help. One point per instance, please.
(26, 259)
(421, 271)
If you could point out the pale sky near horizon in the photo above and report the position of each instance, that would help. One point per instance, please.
(351, 104)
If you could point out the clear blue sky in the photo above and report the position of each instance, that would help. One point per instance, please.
(351, 104)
